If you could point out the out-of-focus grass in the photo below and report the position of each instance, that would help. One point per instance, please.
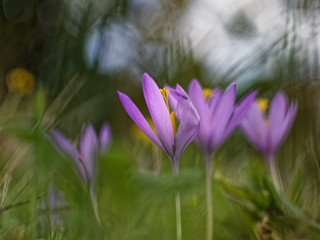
(136, 200)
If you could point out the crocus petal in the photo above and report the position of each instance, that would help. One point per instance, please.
(292, 112)
(222, 114)
(139, 119)
(65, 145)
(250, 134)
(159, 113)
(285, 127)
(172, 100)
(254, 126)
(88, 149)
(68, 149)
(105, 137)
(277, 114)
(189, 123)
(196, 95)
(214, 100)
(178, 93)
(240, 112)
(181, 91)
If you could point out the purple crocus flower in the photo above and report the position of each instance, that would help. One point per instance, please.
(172, 142)
(84, 156)
(56, 202)
(219, 115)
(267, 133)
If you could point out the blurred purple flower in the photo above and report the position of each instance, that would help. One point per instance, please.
(84, 156)
(219, 115)
(267, 133)
(53, 206)
(56, 201)
(171, 142)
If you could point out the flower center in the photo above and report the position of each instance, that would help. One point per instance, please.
(165, 95)
(263, 104)
(207, 93)
(76, 144)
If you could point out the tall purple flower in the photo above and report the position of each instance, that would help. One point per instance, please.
(219, 115)
(172, 142)
(267, 133)
(84, 156)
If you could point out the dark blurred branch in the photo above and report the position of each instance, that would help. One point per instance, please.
(11, 206)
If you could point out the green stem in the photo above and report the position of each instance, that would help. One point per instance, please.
(178, 216)
(178, 207)
(95, 206)
(274, 174)
(209, 198)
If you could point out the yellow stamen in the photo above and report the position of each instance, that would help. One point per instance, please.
(207, 93)
(165, 95)
(263, 104)
(75, 142)
(173, 122)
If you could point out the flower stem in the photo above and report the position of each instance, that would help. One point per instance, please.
(178, 216)
(95, 205)
(274, 174)
(175, 168)
(209, 198)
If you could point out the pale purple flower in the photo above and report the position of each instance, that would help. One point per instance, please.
(84, 156)
(171, 142)
(266, 133)
(56, 201)
(219, 115)
(53, 206)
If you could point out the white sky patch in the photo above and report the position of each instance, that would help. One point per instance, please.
(111, 48)
(205, 25)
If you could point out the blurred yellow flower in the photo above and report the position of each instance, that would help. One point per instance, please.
(263, 104)
(20, 80)
(139, 135)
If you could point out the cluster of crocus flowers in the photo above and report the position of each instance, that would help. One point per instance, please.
(209, 117)
(84, 156)
(266, 133)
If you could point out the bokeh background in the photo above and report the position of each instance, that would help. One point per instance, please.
(61, 63)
